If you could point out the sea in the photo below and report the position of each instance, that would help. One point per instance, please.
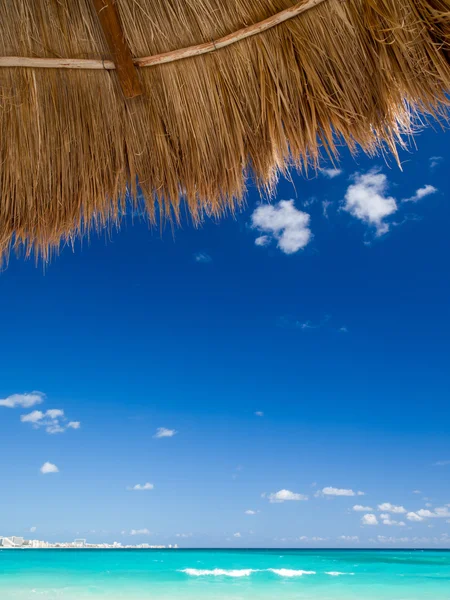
(225, 574)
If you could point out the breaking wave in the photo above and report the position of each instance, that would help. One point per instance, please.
(291, 572)
(337, 573)
(219, 572)
(245, 572)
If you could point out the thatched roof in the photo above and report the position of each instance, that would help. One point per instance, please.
(71, 144)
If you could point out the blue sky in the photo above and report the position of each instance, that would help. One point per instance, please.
(328, 313)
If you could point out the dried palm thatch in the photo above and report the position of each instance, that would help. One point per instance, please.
(71, 145)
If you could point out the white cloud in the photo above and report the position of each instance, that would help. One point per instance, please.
(144, 531)
(417, 492)
(412, 516)
(33, 529)
(369, 519)
(439, 512)
(426, 190)
(49, 467)
(393, 540)
(53, 420)
(392, 508)
(331, 173)
(163, 432)
(332, 491)
(33, 417)
(23, 400)
(262, 240)
(202, 257)
(285, 496)
(366, 200)
(442, 511)
(142, 486)
(441, 463)
(435, 161)
(259, 413)
(183, 535)
(251, 512)
(360, 508)
(387, 520)
(285, 223)
(237, 535)
(349, 538)
(55, 413)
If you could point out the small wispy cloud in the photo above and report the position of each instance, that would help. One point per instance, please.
(442, 463)
(163, 432)
(366, 199)
(388, 520)
(49, 467)
(435, 161)
(52, 420)
(259, 413)
(392, 508)
(284, 223)
(262, 240)
(251, 512)
(332, 491)
(422, 192)
(349, 538)
(23, 400)
(139, 487)
(331, 173)
(33, 529)
(360, 508)
(202, 257)
(144, 531)
(237, 534)
(284, 496)
(183, 535)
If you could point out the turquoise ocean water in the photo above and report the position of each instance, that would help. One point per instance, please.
(224, 574)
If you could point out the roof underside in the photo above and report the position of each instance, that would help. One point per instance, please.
(71, 145)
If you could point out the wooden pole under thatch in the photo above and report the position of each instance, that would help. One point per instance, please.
(213, 111)
(126, 71)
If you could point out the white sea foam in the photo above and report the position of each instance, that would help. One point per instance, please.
(337, 573)
(245, 572)
(291, 572)
(219, 572)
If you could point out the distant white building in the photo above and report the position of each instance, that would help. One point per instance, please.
(17, 541)
(79, 543)
(11, 542)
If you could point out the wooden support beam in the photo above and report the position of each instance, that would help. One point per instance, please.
(112, 28)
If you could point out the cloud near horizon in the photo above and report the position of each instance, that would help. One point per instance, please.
(144, 531)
